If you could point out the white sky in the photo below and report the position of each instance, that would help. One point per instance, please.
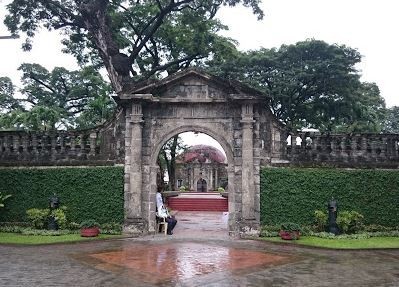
(367, 25)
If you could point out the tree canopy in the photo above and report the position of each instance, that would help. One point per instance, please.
(391, 122)
(309, 84)
(56, 99)
(130, 38)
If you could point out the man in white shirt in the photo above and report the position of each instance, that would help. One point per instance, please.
(162, 212)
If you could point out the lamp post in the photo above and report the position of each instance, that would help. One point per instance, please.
(332, 216)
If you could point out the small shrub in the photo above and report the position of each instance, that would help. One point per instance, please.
(378, 228)
(89, 224)
(221, 189)
(60, 217)
(265, 233)
(320, 220)
(73, 225)
(271, 227)
(30, 231)
(182, 188)
(38, 217)
(11, 228)
(111, 228)
(350, 221)
(290, 226)
(269, 230)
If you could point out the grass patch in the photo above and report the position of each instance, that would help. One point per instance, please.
(373, 242)
(17, 238)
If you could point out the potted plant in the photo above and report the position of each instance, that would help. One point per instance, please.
(290, 231)
(89, 228)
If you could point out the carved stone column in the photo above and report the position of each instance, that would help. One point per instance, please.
(134, 222)
(248, 190)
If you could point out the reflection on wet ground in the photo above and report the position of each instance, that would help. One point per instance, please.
(200, 253)
(181, 261)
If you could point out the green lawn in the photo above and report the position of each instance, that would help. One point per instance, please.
(373, 242)
(17, 238)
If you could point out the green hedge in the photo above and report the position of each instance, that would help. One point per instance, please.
(293, 194)
(92, 192)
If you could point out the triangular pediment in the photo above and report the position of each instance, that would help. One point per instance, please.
(194, 85)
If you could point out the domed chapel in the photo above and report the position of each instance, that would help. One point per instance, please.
(201, 168)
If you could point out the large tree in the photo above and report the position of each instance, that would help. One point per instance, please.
(130, 38)
(56, 99)
(167, 160)
(7, 100)
(309, 84)
(391, 122)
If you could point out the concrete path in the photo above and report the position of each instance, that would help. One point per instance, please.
(198, 254)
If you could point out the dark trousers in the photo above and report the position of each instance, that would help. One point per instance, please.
(171, 224)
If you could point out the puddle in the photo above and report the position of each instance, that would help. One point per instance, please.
(180, 261)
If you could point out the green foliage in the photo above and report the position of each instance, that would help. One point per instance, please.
(92, 192)
(60, 217)
(290, 227)
(89, 223)
(73, 225)
(3, 198)
(7, 101)
(111, 228)
(60, 98)
(44, 232)
(221, 189)
(350, 221)
(379, 228)
(320, 219)
(292, 194)
(38, 217)
(310, 84)
(156, 36)
(391, 123)
(182, 188)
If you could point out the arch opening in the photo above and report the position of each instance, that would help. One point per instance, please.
(193, 171)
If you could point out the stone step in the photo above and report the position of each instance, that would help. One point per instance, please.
(198, 204)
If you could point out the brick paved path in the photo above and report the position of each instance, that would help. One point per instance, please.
(200, 256)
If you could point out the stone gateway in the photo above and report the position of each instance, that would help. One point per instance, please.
(233, 114)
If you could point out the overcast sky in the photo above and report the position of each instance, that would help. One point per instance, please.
(368, 25)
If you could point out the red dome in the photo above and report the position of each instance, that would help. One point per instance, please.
(202, 153)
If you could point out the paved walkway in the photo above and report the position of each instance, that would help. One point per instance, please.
(199, 254)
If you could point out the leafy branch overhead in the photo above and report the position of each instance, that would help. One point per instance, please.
(60, 98)
(310, 84)
(130, 38)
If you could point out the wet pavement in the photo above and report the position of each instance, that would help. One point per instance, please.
(198, 254)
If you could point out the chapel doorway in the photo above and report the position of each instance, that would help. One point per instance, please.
(202, 185)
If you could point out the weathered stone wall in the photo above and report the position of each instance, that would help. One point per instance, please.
(99, 146)
(343, 150)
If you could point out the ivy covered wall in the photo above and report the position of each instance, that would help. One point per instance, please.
(293, 194)
(88, 192)
(287, 194)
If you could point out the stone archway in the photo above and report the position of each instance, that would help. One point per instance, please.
(164, 134)
(195, 101)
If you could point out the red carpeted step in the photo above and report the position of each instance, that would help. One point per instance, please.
(198, 204)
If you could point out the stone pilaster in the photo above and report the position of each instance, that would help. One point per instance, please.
(134, 222)
(249, 224)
